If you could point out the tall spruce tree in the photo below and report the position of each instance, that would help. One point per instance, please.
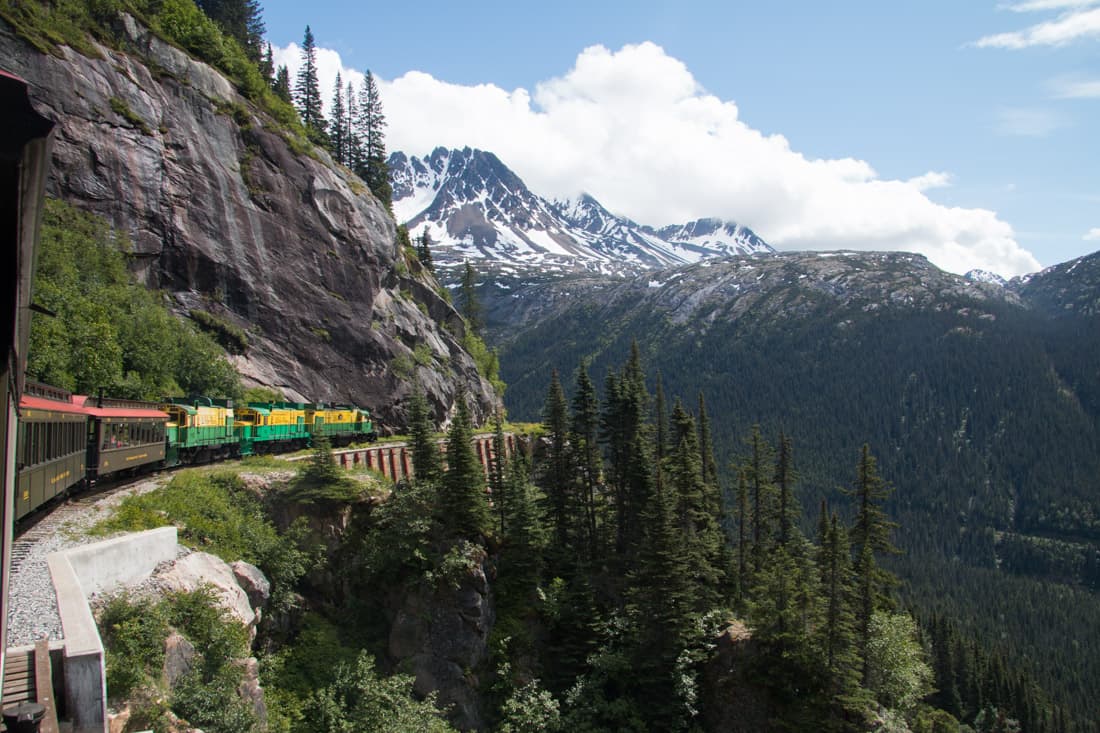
(558, 477)
(371, 129)
(241, 20)
(757, 470)
(870, 537)
(784, 479)
(424, 250)
(498, 486)
(701, 536)
(355, 154)
(339, 129)
(281, 85)
(463, 509)
(706, 445)
(837, 633)
(584, 433)
(307, 91)
(425, 451)
(267, 66)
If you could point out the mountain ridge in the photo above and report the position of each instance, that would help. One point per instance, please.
(474, 207)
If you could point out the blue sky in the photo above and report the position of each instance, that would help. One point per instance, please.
(999, 101)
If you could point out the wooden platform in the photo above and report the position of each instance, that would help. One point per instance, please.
(29, 677)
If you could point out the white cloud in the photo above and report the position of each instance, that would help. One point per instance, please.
(1032, 5)
(1080, 23)
(1028, 121)
(1092, 235)
(930, 180)
(1075, 88)
(328, 65)
(634, 129)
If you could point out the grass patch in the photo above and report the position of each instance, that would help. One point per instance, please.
(215, 513)
(122, 109)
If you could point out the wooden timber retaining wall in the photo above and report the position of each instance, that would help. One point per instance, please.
(394, 460)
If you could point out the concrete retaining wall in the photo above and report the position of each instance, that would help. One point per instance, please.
(78, 573)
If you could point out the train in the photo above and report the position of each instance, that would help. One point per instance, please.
(66, 441)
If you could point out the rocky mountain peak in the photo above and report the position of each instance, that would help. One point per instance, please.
(474, 207)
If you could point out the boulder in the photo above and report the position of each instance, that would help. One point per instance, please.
(200, 569)
(250, 690)
(253, 581)
(179, 658)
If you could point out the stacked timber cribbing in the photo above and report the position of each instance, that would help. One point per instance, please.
(394, 460)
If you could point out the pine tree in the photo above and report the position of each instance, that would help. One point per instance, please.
(701, 537)
(660, 600)
(307, 91)
(338, 126)
(870, 536)
(355, 155)
(241, 20)
(558, 475)
(464, 512)
(498, 486)
(662, 441)
(424, 250)
(837, 637)
(267, 66)
(706, 446)
(425, 450)
(743, 542)
(471, 304)
(583, 435)
(784, 481)
(281, 85)
(371, 130)
(623, 422)
(760, 492)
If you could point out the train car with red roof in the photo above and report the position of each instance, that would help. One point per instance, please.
(51, 447)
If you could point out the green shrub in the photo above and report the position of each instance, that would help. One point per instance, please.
(123, 110)
(133, 633)
(488, 363)
(232, 338)
(320, 479)
(217, 514)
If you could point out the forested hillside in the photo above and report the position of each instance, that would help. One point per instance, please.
(980, 404)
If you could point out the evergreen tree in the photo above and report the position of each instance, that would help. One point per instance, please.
(701, 537)
(784, 482)
(463, 510)
(870, 535)
(371, 130)
(425, 450)
(706, 446)
(558, 475)
(241, 20)
(660, 600)
(267, 66)
(471, 304)
(521, 558)
(307, 91)
(498, 487)
(355, 154)
(743, 543)
(583, 435)
(662, 441)
(424, 250)
(281, 85)
(338, 126)
(760, 493)
(837, 637)
(622, 424)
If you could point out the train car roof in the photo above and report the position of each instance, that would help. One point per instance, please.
(33, 402)
(79, 404)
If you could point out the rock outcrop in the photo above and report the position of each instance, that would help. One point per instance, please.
(200, 569)
(441, 635)
(229, 219)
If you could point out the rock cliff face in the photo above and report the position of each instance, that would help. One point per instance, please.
(226, 217)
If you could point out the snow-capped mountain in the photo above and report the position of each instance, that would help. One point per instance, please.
(474, 207)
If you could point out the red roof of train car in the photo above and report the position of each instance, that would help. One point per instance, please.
(78, 405)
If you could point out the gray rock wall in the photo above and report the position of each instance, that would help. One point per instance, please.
(227, 218)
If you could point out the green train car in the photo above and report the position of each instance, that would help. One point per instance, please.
(341, 424)
(200, 429)
(271, 427)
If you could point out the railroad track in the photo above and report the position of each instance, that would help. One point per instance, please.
(53, 517)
